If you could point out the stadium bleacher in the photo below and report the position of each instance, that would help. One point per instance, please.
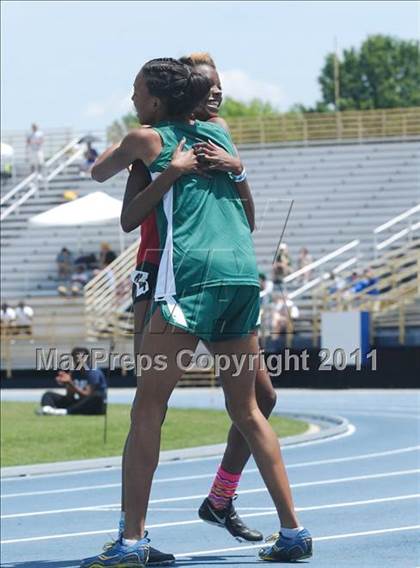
(335, 191)
(29, 252)
(339, 193)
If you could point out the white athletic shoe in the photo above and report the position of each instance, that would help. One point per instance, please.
(50, 411)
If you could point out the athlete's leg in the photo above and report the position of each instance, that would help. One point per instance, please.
(248, 418)
(141, 309)
(237, 451)
(219, 503)
(149, 408)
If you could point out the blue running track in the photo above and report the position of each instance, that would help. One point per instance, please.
(359, 494)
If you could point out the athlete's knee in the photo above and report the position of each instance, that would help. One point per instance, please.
(243, 416)
(151, 411)
(267, 400)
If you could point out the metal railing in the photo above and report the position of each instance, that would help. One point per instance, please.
(337, 253)
(108, 297)
(346, 126)
(408, 217)
(393, 283)
(105, 309)
(306, 293)
(31, 184)
(318, 127)
(54, 140)
(389, 289)
(409, 220)
(396, 271)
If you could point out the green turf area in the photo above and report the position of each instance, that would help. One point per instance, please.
(27, 438)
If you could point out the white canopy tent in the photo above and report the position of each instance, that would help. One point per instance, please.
(7, 160)
(6, 150)
(94, 208)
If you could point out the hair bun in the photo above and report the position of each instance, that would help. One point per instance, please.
(180, 86)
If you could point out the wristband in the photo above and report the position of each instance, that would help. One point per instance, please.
(240, 177)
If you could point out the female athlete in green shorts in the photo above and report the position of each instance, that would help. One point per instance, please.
(207, 287)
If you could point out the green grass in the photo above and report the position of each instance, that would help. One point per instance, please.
(27, 438)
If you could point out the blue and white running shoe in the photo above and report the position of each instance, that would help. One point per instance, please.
(120, 556)
(288, 549)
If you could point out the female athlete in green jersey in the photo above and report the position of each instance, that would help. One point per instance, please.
(207, 288)
(237, 452)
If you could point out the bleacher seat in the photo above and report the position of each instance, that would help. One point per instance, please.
(339, 193)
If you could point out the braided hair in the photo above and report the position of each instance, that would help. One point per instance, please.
(181, 87)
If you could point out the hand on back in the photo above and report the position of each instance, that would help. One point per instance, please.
(213, 157)
(186, 161)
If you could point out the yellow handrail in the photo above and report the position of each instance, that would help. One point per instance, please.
(335, 126)
(107, 297)
(396, 284)
(315, 127)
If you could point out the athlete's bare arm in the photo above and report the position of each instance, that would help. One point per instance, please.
(140, 144)
(138, 180)
(142, 195)
(235, 161)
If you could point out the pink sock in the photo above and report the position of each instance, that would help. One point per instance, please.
(223, 488)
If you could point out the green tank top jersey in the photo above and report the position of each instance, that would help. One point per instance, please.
(203, 229)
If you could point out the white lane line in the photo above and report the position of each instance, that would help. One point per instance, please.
(349, 432)
(211, 475)
(358, 503)
(199, 521)
(203, 495)
(315, 539)
(56, 491)
(92, 471)
(357, 478)
(356, 457)
(272, 511)
(250, 470)
(203, 476)
(382, 414)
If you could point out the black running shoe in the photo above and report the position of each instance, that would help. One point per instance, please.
(228, 519)
(157, 558)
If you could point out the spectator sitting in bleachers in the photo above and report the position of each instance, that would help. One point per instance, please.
(86, 389)
(90, 156)
(24, 318)
(368, 279)
(89, 261)
(282, 266)
(77, 282)
(284, 313)
(79, 279)
(336, 283)
(64, 261)
(106, 255)
(7, 318)
(352, 279)
(266, 289)
(304, 259)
